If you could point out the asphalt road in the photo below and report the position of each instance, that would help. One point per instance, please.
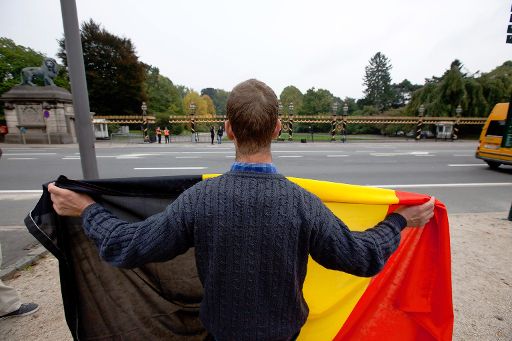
(447, 170)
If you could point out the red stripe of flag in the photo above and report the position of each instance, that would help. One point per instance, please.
(411, 298)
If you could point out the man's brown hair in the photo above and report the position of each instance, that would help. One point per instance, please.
(252, 112)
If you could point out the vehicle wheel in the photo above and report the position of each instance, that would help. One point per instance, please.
(493, 164)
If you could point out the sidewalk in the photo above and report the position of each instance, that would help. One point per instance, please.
(482, 285)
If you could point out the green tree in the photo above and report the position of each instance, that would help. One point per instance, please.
(441, 96)
(158, 89)
(317, 102)
(497, 85)
(402, 92)
(115, 76)
(291, 94)
(183, 90)
(176, 106)
(377, 80)
(219, 98)
(351, 104)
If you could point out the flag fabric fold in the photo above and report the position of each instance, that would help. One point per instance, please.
(410, 299)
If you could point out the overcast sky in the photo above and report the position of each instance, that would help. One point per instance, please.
(322, 43)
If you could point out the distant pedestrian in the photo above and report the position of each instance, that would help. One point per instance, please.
(10, 304)
(220, 132)
(212, 133)
(159, 134)
(167, 134)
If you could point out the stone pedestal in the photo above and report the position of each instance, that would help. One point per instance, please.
(39, 114)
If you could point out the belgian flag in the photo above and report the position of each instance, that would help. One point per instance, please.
(410, 299)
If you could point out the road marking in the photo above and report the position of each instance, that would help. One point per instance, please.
(13, 228)
(21, 191)
(187, 157)
(468, 165)
(169, 168)
(230, 156)
(106, 156)
(15, 191)
(291, 156)
(70, 158)
(463, 154)
(481, 184)
(388, 154)
(402, 154)
(341, 155)
(302, 151)
(28, 154)
(22, 158)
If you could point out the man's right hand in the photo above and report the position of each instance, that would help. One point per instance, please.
(68, 203)
(418, 215)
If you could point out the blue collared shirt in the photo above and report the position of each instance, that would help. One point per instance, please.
(268, 168)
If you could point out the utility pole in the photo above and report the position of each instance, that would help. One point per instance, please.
(83, 124)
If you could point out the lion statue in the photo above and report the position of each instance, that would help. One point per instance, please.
(48, 70)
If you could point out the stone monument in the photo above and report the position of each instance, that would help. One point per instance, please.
(39, 114)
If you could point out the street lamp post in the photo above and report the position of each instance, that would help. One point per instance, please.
(192, 109)
(144, 107)
(455, 130)
(311, 132)
(419, 126)
(290, 122)
(334, 121)
(344, 123)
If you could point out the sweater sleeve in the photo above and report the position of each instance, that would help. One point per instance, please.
(160, 237)
(362, 254)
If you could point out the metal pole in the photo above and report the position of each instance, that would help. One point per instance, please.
(344, 127)
(344, 122)
(290, 126)
(419, 125)
(290, 121)
(333, 127)
(83, 124)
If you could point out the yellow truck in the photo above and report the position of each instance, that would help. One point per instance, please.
(495, 146)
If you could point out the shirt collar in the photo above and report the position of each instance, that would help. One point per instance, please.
(268, 168)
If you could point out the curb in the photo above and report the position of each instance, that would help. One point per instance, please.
(32, 257)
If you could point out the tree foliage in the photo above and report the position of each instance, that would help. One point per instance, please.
(163, 96)
(317, 102)
(402, 93)
(291, 94)
(210, 107)
(441, 96)
(377, 82)
(115, 76)
(219, 98)
(200, 103)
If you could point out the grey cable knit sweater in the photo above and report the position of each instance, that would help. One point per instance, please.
(252, 234)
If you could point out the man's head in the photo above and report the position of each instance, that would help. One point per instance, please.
(252, 108)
